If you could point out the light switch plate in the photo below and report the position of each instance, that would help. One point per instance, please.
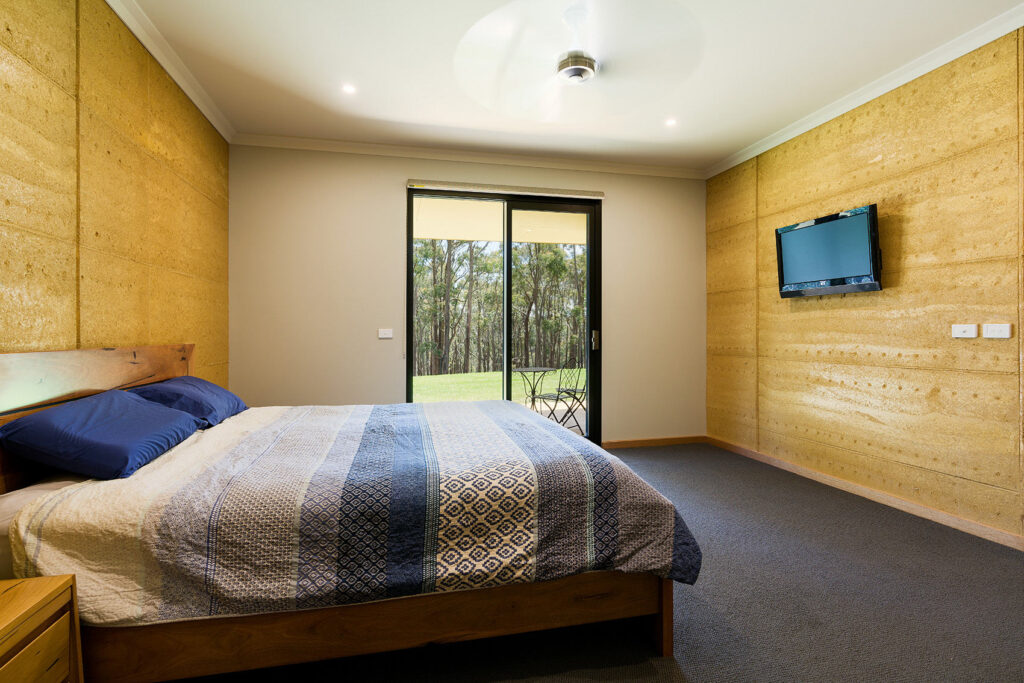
(965, 331)
(996, 330)
(388, 333)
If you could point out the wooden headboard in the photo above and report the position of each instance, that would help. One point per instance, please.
(41, 379)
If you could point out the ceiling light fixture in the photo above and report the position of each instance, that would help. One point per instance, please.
(348, 89)
(577, 66)
(670, 122)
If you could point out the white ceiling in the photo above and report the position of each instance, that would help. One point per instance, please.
(477, 76)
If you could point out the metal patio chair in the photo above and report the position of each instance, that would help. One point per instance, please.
(574, 397)
(568, 393)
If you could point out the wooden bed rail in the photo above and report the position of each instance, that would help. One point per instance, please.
(160, 652)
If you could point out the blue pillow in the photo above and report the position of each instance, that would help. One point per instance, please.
(205, 400)
(106, 436)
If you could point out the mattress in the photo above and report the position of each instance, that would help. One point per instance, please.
(301, 507)
(11, 503)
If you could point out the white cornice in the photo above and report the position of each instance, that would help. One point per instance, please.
(151, 38)
(994, 28)
(439, 154)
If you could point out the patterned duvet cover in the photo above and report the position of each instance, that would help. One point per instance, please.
(304, 507)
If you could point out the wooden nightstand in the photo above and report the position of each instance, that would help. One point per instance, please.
(39, 637)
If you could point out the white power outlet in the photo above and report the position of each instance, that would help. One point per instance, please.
(995, 330)
(965, 331)
(388, 333)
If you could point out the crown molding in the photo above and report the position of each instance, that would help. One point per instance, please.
(440, 154)
(997, 27)
(149, 35)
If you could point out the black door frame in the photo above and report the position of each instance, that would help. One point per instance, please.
(591, 207)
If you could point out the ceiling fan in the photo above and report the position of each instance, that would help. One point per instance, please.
(579, 62)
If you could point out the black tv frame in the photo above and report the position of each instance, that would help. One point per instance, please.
(871, 282)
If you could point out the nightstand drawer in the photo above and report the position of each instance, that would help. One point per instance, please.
(45, 659)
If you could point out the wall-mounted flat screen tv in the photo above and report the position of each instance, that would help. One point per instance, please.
(830, 255)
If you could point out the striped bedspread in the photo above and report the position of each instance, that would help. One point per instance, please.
(303, 507)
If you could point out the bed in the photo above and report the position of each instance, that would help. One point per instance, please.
(194, 565)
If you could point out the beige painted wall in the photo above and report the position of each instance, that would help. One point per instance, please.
(317, 264)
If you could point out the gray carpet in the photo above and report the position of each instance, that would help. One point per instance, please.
(801, 582)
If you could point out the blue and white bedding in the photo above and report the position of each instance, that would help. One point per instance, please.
(304, 507)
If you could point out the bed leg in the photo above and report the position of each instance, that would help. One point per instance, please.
(663, 619)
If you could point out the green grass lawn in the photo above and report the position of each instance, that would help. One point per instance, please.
(474, 386)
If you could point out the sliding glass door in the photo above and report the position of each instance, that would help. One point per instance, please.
(457, 274)
(503, 303)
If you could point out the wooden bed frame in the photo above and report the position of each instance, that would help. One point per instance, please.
(163, 651)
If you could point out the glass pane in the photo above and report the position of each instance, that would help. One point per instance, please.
(458, 289)
(549, 314)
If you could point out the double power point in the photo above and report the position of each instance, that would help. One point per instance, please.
(988, 331)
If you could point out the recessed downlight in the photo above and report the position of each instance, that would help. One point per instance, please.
(670, 122)
(348, 89)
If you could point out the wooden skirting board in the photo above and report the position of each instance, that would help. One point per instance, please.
(975, 528)
(965, 525)
(661, 441)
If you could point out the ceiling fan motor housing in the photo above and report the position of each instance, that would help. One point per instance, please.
(577, 66)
